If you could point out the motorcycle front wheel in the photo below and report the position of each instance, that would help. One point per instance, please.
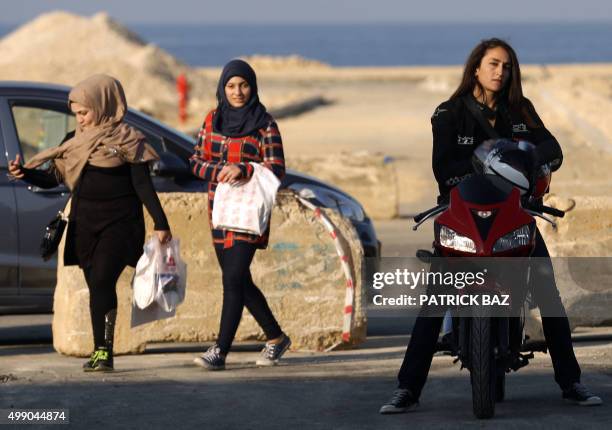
(483, 372)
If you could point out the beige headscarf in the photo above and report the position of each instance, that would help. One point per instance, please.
(109, 143)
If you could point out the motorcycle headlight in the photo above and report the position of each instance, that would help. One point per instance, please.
(449, 238)
(517, 238)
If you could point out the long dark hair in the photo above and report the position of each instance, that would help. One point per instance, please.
(512, 93)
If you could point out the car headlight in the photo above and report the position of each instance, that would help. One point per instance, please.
(449, 238)
(350, 209)
(517, 238)
(330, 199)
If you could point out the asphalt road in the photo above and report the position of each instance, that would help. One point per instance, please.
(337, 390)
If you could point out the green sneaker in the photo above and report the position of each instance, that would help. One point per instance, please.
(101, 360)
(88, 365)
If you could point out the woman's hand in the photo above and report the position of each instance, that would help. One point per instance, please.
(230, 173)
(164, 236)
(14, 168)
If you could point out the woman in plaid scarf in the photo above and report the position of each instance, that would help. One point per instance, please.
(236, 134)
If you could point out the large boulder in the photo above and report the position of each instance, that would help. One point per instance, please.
(300, 274)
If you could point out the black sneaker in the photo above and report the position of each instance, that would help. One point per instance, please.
(445, 345)
(272, 352)
(212, 359)
(580, 395)
(101, 360)
(402, 401)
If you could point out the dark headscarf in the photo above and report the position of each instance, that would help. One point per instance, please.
(235, 122)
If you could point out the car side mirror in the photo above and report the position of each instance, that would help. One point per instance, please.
(170, 164)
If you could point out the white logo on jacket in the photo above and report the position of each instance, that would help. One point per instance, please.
(465, 140)
(438, 112)
(519, 128)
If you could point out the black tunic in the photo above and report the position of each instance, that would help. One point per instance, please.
(106, 217)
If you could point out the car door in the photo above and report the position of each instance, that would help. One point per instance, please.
(36, 124)
(9, 254)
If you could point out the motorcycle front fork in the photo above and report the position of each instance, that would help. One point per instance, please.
(507, 342)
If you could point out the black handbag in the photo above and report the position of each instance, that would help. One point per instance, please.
(53, 236)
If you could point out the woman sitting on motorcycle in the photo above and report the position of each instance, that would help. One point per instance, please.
(491, 85)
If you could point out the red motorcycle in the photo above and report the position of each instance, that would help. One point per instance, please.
(491, 214)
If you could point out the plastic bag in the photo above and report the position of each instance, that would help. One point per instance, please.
(246, 207)
(160, 276)
(170, 275)
(143, 284)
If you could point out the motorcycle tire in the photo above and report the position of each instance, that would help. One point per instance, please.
(500, 385)
(483, 372)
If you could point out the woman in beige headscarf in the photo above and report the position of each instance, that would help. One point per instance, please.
(104, 163)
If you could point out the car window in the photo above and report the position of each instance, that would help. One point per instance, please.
(152, 139)
(39, 128)
(187, 138)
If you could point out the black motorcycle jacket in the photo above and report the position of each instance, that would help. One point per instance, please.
(456, 133)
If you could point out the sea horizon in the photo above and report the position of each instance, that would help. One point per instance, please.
(376, 45)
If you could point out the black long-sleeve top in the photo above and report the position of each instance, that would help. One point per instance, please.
(456, 133)
(99, 183)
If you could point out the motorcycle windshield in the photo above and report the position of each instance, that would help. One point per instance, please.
(484, 189)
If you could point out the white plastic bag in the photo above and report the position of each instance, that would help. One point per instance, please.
(160, 276)
(246, 207)
(170, 275)
(144, 285)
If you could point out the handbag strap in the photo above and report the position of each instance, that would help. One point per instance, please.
(476, 112)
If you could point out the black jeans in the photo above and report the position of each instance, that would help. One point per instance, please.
(239, 291)
(422, 346)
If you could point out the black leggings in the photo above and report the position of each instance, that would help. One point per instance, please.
(239, 291)
(101, 276)
(557, 333)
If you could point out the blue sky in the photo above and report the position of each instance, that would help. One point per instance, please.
(318, 11)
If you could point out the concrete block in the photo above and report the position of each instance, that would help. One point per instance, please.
(300, 274)
(581, 248)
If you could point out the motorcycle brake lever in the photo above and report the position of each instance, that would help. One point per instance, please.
(545, 218)
(434, 212)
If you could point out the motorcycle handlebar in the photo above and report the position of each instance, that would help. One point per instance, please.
(417, 218)
(548, 210)
(537, 208)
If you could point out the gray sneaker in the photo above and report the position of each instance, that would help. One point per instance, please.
(271, 353)
(212, 359)
(402, 401)
(580, 395)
